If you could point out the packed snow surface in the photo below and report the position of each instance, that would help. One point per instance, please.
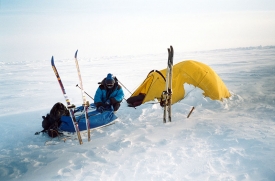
(231, 139)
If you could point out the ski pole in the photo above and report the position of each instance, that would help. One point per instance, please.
(123, 86)
(84, 91)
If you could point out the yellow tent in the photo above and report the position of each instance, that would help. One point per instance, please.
(189, 71)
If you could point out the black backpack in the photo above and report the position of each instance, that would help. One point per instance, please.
(51, 121)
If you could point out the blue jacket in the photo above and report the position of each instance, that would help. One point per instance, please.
(103, 94)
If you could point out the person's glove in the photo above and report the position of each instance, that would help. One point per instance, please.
(100, 109)
(113, 100)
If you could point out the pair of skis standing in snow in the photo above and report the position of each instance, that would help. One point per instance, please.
(71, 106)
(166, 97)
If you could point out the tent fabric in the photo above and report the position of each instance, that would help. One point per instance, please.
(190, 72)
(151, 87)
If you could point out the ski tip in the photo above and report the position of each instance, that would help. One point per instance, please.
(75, 55)
(52, 61)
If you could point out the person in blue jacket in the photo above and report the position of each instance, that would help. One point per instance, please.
(109, 93)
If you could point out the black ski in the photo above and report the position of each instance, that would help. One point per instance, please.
(166, 97)
(69, 105)
(85, 103)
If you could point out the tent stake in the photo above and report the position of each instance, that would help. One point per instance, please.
(191, 111)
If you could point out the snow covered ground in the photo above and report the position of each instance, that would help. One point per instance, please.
(229, 140)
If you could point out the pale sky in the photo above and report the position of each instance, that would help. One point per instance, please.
(35, 30)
